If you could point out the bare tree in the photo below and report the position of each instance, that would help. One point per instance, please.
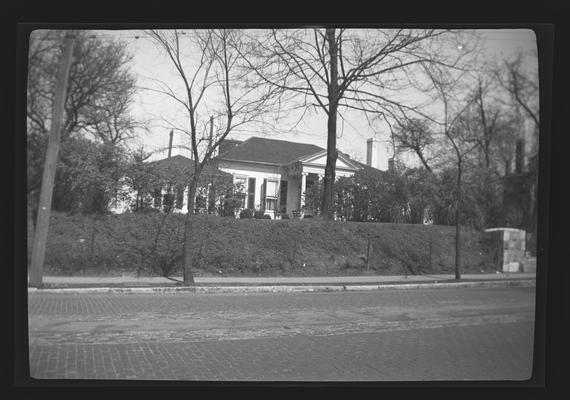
(488, 120)
(519, 77)
(329, 69)
(415, 135)
(109, 118)
(214, 97)
(454, 99)
(493, 122)
(522, 85)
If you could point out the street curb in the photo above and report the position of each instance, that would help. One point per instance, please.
(289, 288)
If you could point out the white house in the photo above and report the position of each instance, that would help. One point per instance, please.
(272, 175)
(275, 174)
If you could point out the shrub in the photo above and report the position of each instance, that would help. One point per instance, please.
(259, 214)
(229, 207)
(267, 216)
(285, 216)
(246, 213)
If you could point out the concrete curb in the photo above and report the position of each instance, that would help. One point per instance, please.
(288, 288)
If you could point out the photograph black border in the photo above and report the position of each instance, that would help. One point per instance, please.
(549, 280)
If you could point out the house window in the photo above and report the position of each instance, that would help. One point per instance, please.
(200, 202)
(157, 195)
(270, 204)
(240, 187)
(271, 188)
(239, 183)
(241, 197)
(271, 194)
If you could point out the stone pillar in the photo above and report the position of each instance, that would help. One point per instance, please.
(510, 246)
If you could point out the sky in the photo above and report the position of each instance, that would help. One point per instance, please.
(150, 63)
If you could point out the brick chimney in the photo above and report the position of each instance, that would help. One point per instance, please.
(372, 153)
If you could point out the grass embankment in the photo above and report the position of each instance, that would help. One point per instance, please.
(110, 245)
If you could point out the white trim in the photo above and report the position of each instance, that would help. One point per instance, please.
(249, 162)
(311, 158)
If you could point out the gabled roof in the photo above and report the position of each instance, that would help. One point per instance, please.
(177, 162)
(280, 152)
(342, 157)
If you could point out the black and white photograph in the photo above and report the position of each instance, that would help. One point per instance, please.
(291, 204)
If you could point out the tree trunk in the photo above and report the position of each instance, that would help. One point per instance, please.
(458, 224)
(487, 152)
(328, 183)
(188, 275)
(328, 192)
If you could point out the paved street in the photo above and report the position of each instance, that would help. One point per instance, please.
(381, 335)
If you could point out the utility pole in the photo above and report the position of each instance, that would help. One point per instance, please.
(44, 209)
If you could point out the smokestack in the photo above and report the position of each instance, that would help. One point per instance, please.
(372, 153)
(170, 143)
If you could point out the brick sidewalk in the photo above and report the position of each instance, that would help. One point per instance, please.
(309, 280)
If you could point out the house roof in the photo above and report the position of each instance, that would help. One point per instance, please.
(180, 164)
(174, 162)
(369, 168)
(281, 152)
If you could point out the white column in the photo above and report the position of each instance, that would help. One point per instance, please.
(162, 193)
(208, 186)
(185, 200)
(303, 188)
